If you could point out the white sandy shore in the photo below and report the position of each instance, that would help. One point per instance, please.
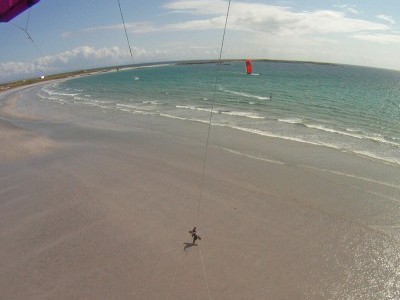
(93, 209)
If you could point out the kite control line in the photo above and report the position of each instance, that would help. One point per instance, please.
(209, 121)
(126, 34)
(27, 33)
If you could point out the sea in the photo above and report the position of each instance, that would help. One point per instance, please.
(348, 108)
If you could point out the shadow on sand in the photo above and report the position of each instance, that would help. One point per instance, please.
(187, 246)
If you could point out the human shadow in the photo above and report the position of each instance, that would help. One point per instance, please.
(188, 246)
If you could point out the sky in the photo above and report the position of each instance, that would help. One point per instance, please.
(75, 34)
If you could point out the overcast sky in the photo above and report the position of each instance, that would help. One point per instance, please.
(76, 34)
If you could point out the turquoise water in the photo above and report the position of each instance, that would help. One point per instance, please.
(351, 109)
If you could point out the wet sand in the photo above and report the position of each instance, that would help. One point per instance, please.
(96, 206)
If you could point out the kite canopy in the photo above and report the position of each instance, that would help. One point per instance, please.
(249, 69)
(9, 9)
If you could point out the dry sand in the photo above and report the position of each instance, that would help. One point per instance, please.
(89, 211)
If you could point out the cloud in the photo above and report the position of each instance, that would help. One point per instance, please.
(197, 7)
(388, 19)
(12, 68)
(253, 17)
(138, 27)
(263, 18)
(379, 38)
(348, 8)
(84, 54)
(353, 10)
(196, 25)
(78, 58)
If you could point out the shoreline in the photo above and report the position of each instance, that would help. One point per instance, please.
(356, 170)
(105, 213)
(87, 72)
(74, 74)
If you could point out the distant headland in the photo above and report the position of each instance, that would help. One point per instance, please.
(23, 82)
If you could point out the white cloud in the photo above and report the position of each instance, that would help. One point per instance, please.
(12, 68)
(209, 24)
(348, 8)
(255, 17)
(192, 30)
(388, 19)
(198, 7)
(379, 38)
(353, 10)
(138, 27)
(263, 18)
(78, 58)
(84, 54)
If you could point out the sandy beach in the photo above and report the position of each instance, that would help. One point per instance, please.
(96, 206)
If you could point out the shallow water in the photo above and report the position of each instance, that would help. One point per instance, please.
(281, 218)
(351, 109)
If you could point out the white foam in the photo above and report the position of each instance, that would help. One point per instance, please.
(375, 137)
(52, 92)
(191, 107)
(126, 106)
(326, 129)
(152, 102)
(244, 114)
(353, 130)
(231, 113)
(247, 95)
(379, 138)
(183, 119)
(365, 154)
(274, 135)
(369, 154)
(186, 106)
(291, 120)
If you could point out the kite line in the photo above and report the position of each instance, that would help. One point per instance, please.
(206, 147)
(211, 113)
(126, 34)
(27, 33)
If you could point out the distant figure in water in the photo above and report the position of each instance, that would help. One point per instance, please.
(194, 235)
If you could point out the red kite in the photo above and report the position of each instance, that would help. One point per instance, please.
(248, 66)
